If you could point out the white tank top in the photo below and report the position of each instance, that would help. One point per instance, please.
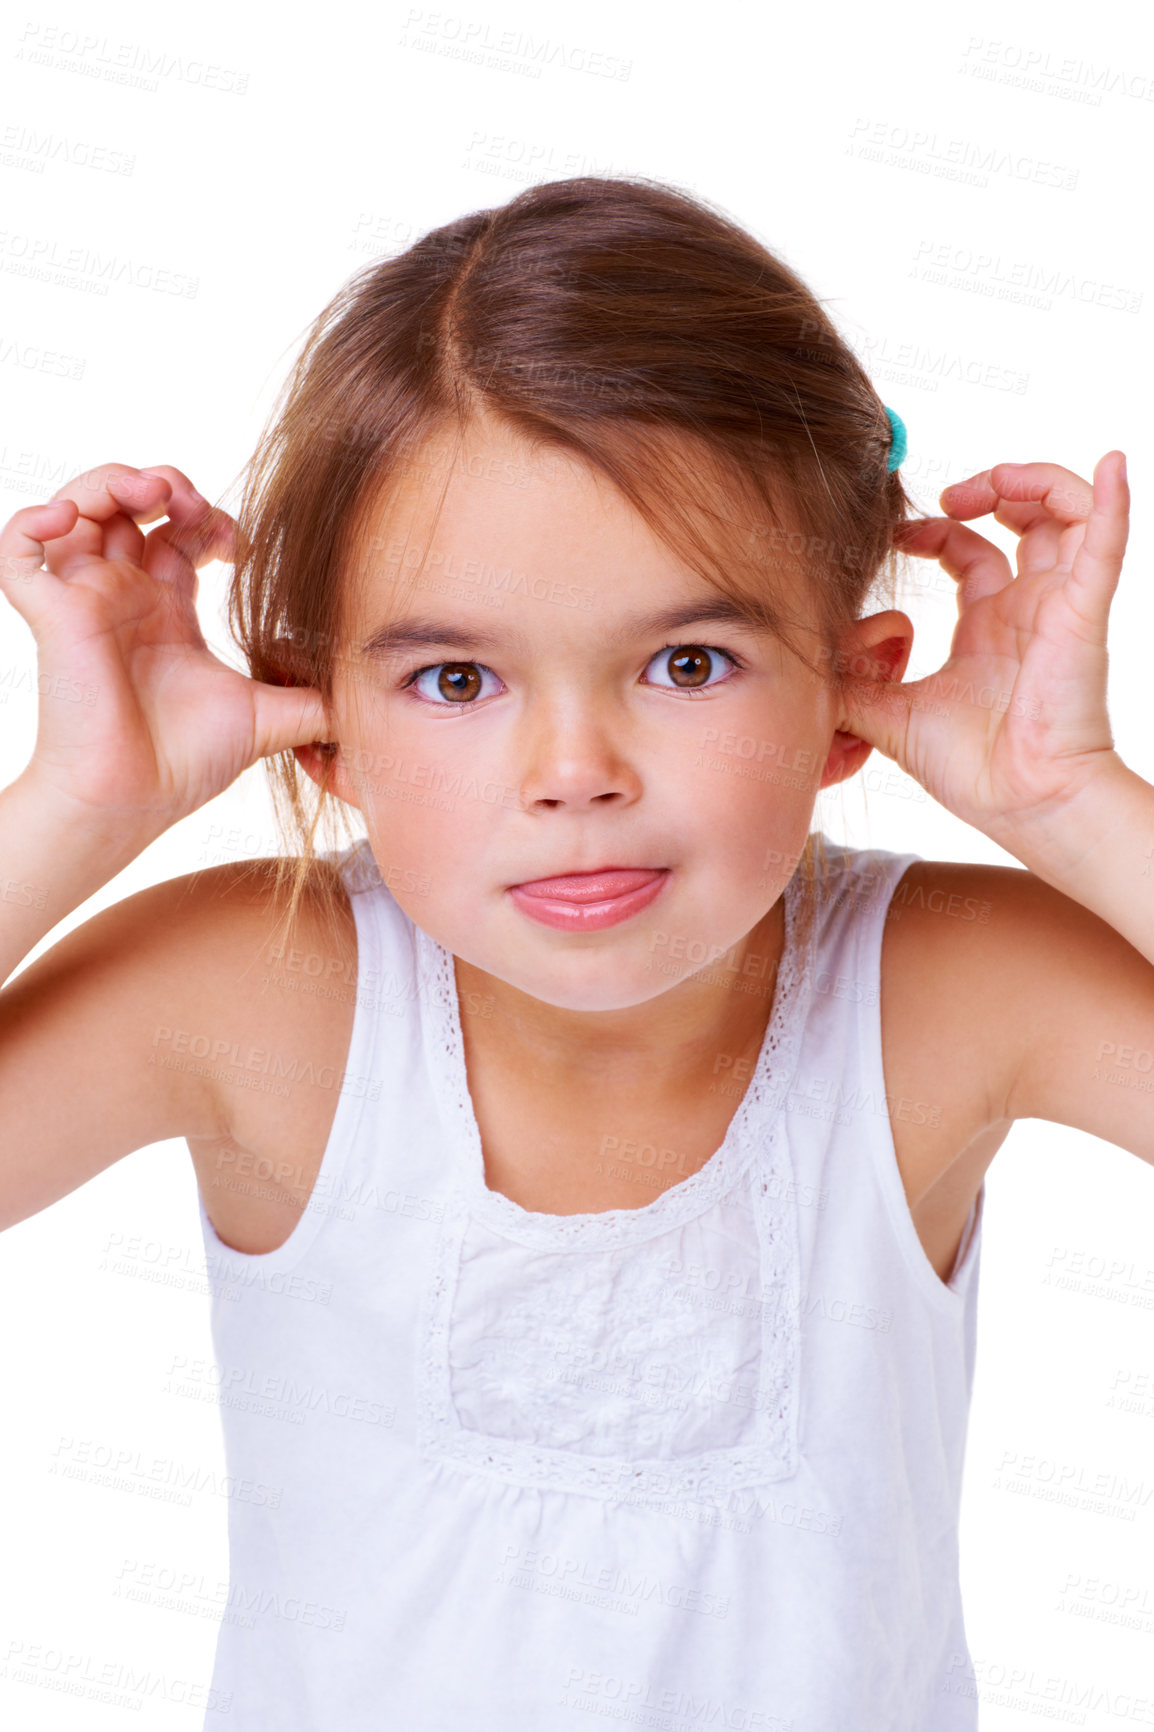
(695, 1464)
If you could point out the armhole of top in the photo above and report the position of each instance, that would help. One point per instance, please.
(870, 932)
(345, 1128)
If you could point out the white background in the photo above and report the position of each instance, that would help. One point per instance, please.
(957, 213)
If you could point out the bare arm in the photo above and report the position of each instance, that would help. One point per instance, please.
(82, 1077)
(169, 727)
(48, 868)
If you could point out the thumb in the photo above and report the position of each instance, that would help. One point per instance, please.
(286, 716)
(879, 712)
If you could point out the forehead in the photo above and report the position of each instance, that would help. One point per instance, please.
(484, 524)
(487, 494)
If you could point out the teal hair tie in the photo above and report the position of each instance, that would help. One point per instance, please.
(898, 442)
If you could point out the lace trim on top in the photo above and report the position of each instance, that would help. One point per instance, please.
(752, 1130)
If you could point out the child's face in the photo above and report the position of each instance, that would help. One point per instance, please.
(570, 739)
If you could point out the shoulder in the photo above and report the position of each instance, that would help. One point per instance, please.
(908, 941)
(211, 965)
(264, 1032)
(276, 973)
(952, 946)
(227, 921)
(151, 1020)
(1000, 993)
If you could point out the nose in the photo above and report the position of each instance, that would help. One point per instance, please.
(575, 763)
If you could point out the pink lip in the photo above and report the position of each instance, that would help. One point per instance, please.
(589, 901)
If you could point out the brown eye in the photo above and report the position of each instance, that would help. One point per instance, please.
(459, 681)
(691, 666)
(451, 683)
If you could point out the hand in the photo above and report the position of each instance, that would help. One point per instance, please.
(1014, 723)
(139, 723)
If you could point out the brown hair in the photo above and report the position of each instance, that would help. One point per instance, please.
(624, 322)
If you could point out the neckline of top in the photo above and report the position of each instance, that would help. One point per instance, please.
(754, 1127)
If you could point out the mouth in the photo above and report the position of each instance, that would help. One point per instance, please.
(590, 901)
(600, 885)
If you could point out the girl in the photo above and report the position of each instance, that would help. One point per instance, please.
(590, 1158)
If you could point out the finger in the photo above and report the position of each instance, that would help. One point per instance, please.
(980, 567)
(186, 503)
(173, 552)
(1097, 564)
(878, 712)
(112, 487)
(119, 538)
(1040, 547)
(115, 538)
(113, 500)
(286, 716)
(32, 590)
(107, 499)
(196, 533)
(1021, 495)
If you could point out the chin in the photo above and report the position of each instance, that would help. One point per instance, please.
(598, 986)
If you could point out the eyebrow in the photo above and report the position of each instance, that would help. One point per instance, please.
(407, 634)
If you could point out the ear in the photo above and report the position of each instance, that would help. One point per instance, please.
(321, 759)
(877, 648)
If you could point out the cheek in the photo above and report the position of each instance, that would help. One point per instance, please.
(432, 828)
(749, 794)
(753, 775)
(394, 760)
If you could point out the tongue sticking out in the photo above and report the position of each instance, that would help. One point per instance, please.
(591, 886)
